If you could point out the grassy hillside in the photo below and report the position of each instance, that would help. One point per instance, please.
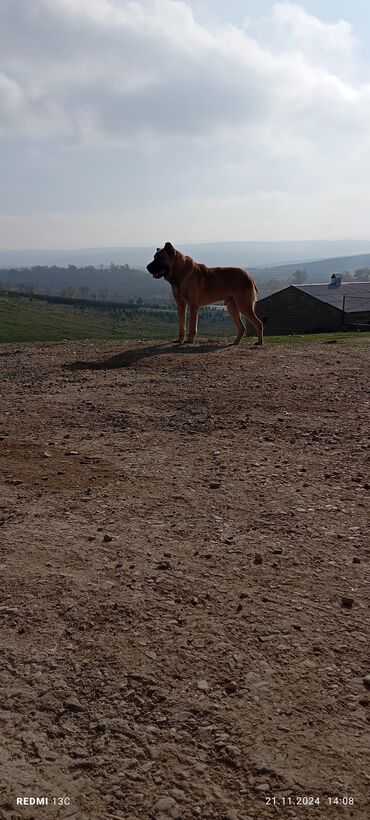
(24, 320)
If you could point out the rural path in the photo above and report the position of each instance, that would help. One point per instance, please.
(184, 571)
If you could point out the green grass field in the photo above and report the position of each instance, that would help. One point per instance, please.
(24, 320)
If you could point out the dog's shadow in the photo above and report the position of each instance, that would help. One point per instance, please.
(130, 357)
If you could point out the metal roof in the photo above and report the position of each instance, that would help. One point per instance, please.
(357, 295)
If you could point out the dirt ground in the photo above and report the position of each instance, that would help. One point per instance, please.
(184, 573)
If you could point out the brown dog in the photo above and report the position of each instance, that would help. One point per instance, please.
(194, 285)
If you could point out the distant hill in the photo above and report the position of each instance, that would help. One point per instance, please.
(124, 283)
(317, 271)
(246, 254)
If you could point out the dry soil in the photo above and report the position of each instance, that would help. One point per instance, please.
(184, 577)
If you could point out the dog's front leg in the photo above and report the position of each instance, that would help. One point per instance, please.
(181, 307)
(193, 323)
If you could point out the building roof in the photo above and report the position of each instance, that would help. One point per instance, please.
(357, 295)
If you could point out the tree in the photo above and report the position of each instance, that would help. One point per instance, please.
(103, 293)
(69, 292)
(299, 276)
(30, 288)
(362, 275)
(346, 276)
(83, 291)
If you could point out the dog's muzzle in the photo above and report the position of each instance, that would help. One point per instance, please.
(156, 272)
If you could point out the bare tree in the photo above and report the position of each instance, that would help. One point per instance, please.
(362, 275)
(69, 292)
(30, 288)
(83, 291)
(102, 294)
(299, 277)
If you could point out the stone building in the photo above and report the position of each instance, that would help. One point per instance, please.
(316, 308)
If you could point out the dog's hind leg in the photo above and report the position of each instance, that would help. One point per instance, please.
(247, 310)
(235, 315)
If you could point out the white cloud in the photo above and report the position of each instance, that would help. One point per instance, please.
(147, 70)
(274, 106)
(307, 32)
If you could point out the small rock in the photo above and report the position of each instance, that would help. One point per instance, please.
(203, 685)
(97, 726)
(164, 565)
(263, 768)
(9, 610)
(257, 558)
(262, 787)
(347, 602)
(183, 716)
(107, 537)
(231, 687)
(277, 551)
(59, 684)
(366, 681)
(46, 454)
(178, 794)
(214, 485)
(165, 804)
(73, 705)
(82, 764)
(356, 560)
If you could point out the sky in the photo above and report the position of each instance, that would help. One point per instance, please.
(136, 122)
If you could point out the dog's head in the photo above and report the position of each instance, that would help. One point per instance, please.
(161, 266)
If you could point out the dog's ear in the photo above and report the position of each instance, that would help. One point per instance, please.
(169, 249)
